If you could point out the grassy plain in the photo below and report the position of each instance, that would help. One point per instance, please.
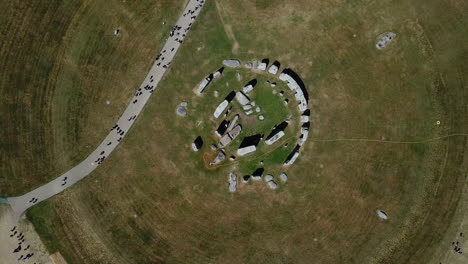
(153, 202)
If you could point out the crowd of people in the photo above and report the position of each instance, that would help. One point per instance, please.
(20, 250)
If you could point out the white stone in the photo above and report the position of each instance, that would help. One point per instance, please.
(217, 74)
(219, 158)
(256, 177)
(382, 214)
(274, 92)
(261, 117)
(272, 185)
(216, 93)
(249, 112)
(304, 119)
(232, 63)
(247, 107)
(273, 84)
(262, 66)
(242, 98)
(220, 109)
(246, 150)
(235, 132)
(303, 137)
(293, 159)
(107, 102)
(224, 141)
(232, 180)
(257, 109)
(203, 85)
(273, 69)
(248, 88)
(274, 138)
(383, 42)
(284, 177)
(233, 123)
(268, 177)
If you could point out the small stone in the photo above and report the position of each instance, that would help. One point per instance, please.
(354, 35)
(216, 93)
(232, 158)
(116, 32)
(274, 91)
(213, 147)
(284, 177)
(273, 84)
(272, 185)
(257, 109)
(107, 102)
(261, 117)
(253, 103)
(245, 178)
(281, 93)
(248, 65)
(383, 215)
(238, 76)
(231, 63)
(268, 177)
(286, 101)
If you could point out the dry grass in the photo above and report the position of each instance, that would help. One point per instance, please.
(153, 201)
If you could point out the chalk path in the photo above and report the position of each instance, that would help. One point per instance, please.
(20, 204)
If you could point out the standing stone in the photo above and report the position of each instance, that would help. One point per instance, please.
(284, 177)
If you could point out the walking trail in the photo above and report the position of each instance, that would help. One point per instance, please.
(20, 204)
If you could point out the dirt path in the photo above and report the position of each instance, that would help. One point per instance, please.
(228, 29)
(31, 238)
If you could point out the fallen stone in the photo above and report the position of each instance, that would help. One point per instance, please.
(219, 158)
(246, 150)
(232, 180)
(268, 177)
(383, 215)
(383, 42)
(231, 63)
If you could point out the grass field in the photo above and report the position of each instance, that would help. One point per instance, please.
(153, 201)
